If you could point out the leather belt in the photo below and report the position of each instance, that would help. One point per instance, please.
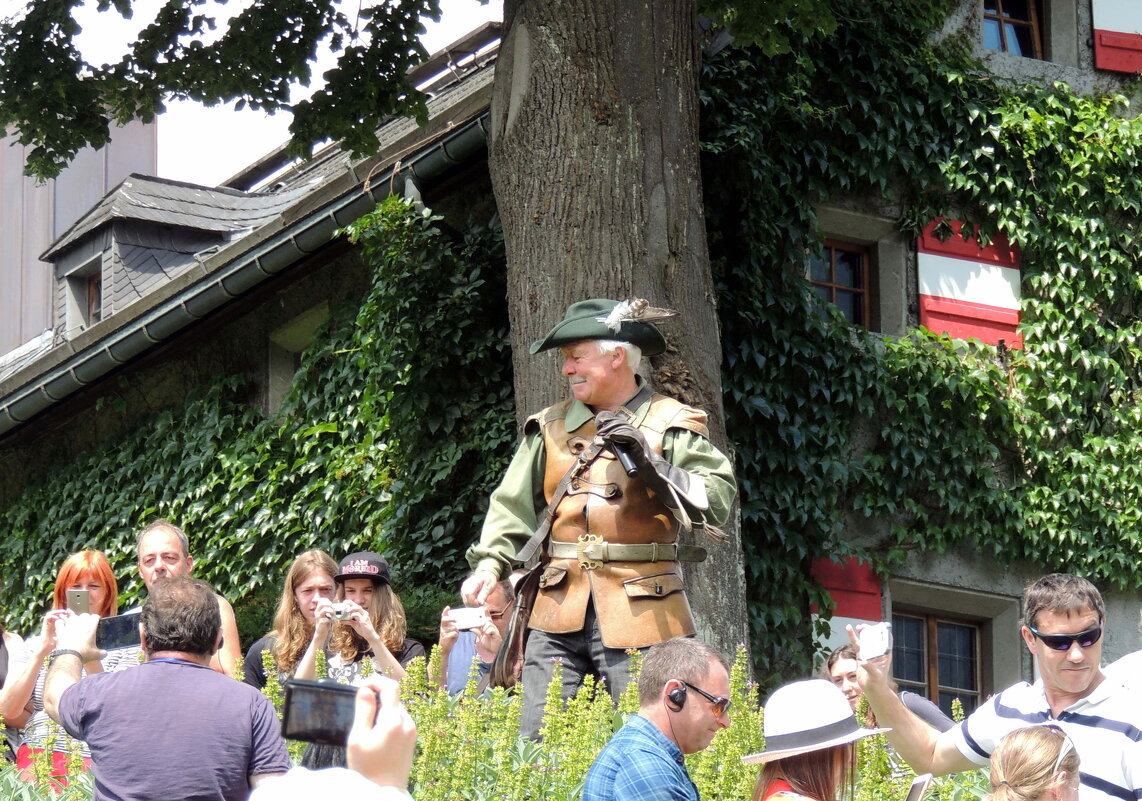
(602, 551)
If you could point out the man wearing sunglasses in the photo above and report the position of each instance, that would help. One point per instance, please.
(683, 695)
(1063, 621)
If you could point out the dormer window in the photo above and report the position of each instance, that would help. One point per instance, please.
(83, 302)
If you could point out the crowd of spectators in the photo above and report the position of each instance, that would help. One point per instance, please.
(62, 693)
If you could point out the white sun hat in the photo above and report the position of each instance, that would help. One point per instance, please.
(807, 716)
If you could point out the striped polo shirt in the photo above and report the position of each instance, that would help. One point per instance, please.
(1105, 726)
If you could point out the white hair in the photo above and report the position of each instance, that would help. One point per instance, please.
(609, 346)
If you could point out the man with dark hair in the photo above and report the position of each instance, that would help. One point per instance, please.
(1064, 618)
(172, 727)
(599, 491)
(683, 696)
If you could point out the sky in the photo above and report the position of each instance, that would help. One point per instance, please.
(208, 145)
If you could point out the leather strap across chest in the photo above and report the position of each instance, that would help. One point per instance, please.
(584, 460)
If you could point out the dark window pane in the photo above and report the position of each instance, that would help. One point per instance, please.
(990, 6)
(849, 304)
(991, 38)
(1019, 40)
(819, 269)
(849, 269)
(956, 663)
(1017, 9)
(825, 293)
(945, 702)
(908, 649)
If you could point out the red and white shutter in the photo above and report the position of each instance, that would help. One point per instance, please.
(969, 292)
(1117, 35)
(855, 590)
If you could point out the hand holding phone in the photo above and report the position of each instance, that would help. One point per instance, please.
(383, 737)
(77, 633)
(318, 711)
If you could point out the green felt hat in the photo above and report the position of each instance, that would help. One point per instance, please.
(584, 320)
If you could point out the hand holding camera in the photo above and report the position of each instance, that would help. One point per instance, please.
(874, 650)
(383, 737)
(874, 641)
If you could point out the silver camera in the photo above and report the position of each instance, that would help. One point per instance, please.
(340, 611)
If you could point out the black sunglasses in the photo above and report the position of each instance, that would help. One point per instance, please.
(1063, 642)
(721, 705)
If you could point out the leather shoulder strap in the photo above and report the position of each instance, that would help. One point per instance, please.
(666, 413)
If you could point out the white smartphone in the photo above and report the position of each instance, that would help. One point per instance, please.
(919, 787)
(875, 640)
(469, 617)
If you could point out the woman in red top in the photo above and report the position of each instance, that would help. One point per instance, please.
(810, 733)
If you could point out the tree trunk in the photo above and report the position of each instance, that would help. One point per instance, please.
(594, 162)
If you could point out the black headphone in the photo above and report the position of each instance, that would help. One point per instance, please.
(677, 698)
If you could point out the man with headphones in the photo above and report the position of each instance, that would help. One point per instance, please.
(683, 694)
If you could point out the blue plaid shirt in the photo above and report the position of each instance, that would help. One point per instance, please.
(641, 763)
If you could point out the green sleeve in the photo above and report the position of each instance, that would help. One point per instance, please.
(697, 455)
(514, 509)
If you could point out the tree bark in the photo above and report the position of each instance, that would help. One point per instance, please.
(594, 163)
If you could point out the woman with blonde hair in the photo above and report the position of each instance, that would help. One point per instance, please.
(308, 582)
(1036, 763)
(370, 625)
(810, 735)
(22, 699)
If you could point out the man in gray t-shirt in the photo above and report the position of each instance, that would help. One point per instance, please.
(171, 728)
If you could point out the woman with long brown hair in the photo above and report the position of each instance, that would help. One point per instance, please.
(22, 699)
(368, 624)
(810, 733)
(308, 582)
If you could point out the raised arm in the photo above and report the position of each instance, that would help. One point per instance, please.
(306, 667)
(75, 644)
(923, 748)
(230, 654)
(25, 669)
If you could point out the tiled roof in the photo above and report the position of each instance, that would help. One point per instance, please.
(158, 200)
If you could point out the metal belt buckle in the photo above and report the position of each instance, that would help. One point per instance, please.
(582, 548)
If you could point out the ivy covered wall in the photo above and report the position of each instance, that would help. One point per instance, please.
(1032, 456)
(401, 419)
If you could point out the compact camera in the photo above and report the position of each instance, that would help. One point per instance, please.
(875, 640)
(340, 611)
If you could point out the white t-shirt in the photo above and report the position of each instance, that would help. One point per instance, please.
(1105, 726)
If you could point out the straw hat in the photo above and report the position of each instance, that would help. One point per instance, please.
(806, 716)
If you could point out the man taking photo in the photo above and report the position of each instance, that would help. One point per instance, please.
(172, 727)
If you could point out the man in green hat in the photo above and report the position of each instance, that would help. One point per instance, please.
(598, 491)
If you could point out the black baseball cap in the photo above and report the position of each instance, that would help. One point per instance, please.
(364, 564)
